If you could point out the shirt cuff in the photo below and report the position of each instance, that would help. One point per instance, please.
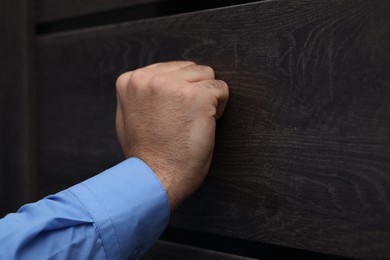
(129, 206)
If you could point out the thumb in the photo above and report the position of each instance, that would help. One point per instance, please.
(220, 90)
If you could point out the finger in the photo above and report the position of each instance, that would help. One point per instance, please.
(193, 73)
(152, 70)
(220, 90)
(166, 67)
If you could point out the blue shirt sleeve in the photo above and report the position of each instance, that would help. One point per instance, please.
(118, 214)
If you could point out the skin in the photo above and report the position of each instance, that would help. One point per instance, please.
(166, 116)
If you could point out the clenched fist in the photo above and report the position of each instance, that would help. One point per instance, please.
(166, 116)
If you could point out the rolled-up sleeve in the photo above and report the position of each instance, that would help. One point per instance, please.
(117, 214)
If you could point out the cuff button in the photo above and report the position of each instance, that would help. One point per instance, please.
(136, 251)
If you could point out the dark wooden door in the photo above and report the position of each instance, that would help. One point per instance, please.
(302, 155)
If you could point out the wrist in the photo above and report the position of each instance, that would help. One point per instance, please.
(169, 178)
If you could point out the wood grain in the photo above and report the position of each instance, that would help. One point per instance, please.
(169, 250)
(16, 144)
(302, 154)
(52, 10)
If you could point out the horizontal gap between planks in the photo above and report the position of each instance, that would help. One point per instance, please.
(240, 247)
(127, 14)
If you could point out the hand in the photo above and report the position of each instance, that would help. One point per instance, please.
(166, 116)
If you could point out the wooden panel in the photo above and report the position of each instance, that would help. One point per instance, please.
(51, 10)
(16, 167)
(302, 156)
(172, 251)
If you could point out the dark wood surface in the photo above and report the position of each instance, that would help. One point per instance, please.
(52, 10)
(169, 250)
(16, 162)
(302, 153)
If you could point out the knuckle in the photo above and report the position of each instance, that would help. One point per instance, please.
(172, 64)
(138, 76)
(181, 63)
(208, 70)
(122, 81)
(202, 69)
(158, 81)
(188, 63)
